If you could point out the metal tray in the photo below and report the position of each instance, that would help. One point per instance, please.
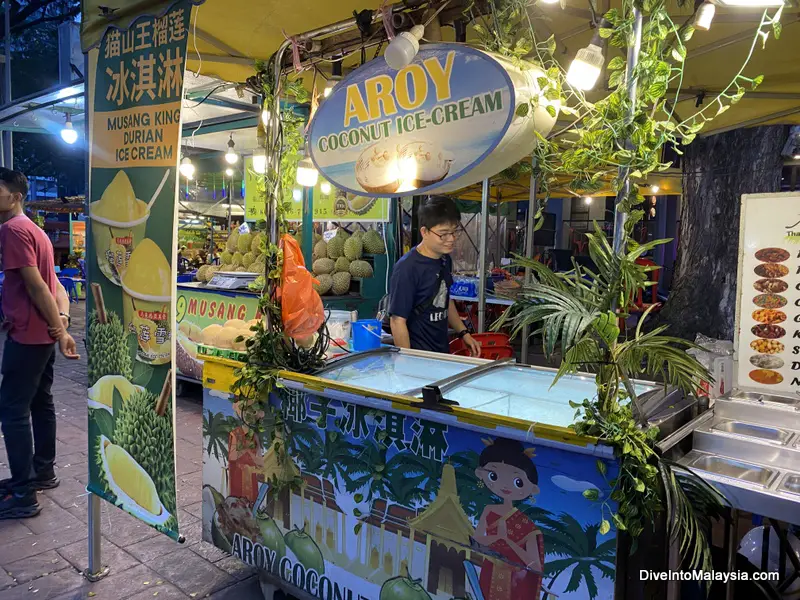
(764, 433)
(791, 484)
(734, 469)
(788, 400)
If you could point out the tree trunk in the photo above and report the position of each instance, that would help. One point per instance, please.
(717, 170)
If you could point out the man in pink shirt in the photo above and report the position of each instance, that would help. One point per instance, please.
(34, 327)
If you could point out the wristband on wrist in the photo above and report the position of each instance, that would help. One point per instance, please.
(460, 335)
(69, 319)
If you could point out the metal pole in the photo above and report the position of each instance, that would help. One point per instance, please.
(483, 250)
(529, 251)
(96, 569)
(8, 148)
(633, 58)
(307, 245)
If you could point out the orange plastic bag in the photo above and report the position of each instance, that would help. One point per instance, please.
(301, 307)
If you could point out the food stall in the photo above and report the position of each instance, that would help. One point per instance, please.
(372, 477)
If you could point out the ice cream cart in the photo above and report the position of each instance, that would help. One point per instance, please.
(405, 474)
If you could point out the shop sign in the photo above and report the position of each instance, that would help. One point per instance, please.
(357, 503)
(195, 311)
(384, 132)
(768, 309)
(337, 205)
(135, 90)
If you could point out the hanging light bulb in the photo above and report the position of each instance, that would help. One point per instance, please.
(229, 172)
(336, 77)
(230, 156)
(307, 173)
(68, 133)
(325, 188)
(187, 168)
(587, 201)
(260, 161)
(705, 15)
(403, 48)
(297, 195)
(586, 67)
(654, 189)
(550, 1)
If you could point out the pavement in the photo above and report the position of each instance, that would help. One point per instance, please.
(43, 557)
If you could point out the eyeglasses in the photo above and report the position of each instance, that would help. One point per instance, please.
(450, 235)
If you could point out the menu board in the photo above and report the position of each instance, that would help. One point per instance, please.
(768, 307)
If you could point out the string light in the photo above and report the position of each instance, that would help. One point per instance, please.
(325, 188)
(307, 173)
(229, 172)
(654, 189)
(230, 156)
(588, 200)
(68, 133)
(187, 168)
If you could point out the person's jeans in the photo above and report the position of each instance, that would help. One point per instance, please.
(25, 400)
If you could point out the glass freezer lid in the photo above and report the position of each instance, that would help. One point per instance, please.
(392, 372)
(524, 393)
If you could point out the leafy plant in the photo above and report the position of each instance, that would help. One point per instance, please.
(576, 314)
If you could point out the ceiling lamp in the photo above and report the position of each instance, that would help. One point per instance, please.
(654, 189)
(705, 15)
(586, 66)
(187, 168)
(587, 201)
(307, 173)
(325, 188)
(68, 133)
(230, 156)
(229, 172)
(260, 161)
(403, 48)
(336, 77)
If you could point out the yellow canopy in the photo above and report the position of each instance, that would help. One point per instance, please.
(228, 35)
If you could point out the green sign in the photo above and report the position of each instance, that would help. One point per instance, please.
(136, 90)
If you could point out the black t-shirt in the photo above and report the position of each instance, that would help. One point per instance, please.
(415, 280)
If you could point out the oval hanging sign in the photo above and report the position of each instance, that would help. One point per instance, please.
(384, 132)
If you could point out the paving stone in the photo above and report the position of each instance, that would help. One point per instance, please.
(191, 573)
(11, 531)
(52, 518)
(125, 530)
(150, 549)
(34, 567)
(193, 532)
(195, 509)
(165, 592)
(235, 567)
(210, 552)
(62, 585)
(118, 585)
(67, 493)
(38, 544)
(77, 555)
(6, 580)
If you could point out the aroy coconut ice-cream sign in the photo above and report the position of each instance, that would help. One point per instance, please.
(428, 126)
(135, 90)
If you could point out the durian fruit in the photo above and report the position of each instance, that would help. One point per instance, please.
(342, 233)
(259, 268)
(336, 247)
(233, 241)
(317, 237)
(373, 243)
(342, 265)
(353, 248)
(241, 269)
(209, 334)
(359, 234)
(248, 259)
(226, 336)
(361, 204)
(201, 273)
(255, 246)
(323, 266)
(361, 269)
(226, 257)
(325, 284)
(147, 437)
(237, 324)
(123, 474)
(108, 348)
(243, 244)
(320, 250)
(237, 259)
(212, 270)
(341, 283)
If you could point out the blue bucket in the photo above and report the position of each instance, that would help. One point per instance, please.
(366, 335)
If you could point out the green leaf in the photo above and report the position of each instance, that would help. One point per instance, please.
(356, 512)
(687, 33)
(551, 44)
(116, 406)
(605, 527)
(777, 28)
(104, 421)
(722, 109)
(606, 33)
(757, 81)
(618, 522)
(615, 78)
(679, 54)
(551, 110)
(523, 110)
(602, 468)
(591, 494)
(639, 485)
(358, 498)
(357, 528)
(657, 90)
(616, 63)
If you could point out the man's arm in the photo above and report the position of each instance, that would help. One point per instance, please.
(43, 300)
(399, 327)
(458, 326)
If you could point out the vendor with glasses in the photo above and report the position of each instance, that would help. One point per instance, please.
(420, 304)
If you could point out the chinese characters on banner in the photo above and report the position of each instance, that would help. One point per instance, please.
(135, 93)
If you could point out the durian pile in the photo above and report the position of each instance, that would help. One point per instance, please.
(338, 261)
(244, 253)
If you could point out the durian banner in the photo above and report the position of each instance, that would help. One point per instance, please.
(135, 92)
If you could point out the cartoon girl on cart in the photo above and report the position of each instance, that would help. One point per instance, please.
(506, 468)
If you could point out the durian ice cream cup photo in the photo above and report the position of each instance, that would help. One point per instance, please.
(119, 221)
(147, 303)
(131, 484)
(101, 394)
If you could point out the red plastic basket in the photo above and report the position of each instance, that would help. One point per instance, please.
(493, 346)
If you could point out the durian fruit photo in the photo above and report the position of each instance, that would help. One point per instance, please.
(101, 394)
(131, 484)
(107, 342)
